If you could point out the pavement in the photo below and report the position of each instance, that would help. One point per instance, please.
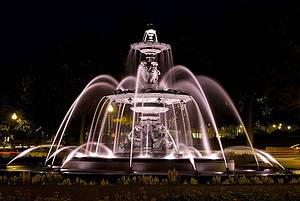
(287, 157)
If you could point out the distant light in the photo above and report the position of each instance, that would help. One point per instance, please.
(110, 109)
(289, 127)
(274, 126)
(279, 127)
(196, 135)
(14, 116)
(280, 124)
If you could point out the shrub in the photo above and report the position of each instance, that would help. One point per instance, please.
(79, 181)
(3, 179)
(147, 180)
(172, 176)
(104, 182)
(194, 181)
(123, 180)
(25, 178)
(36, 179)
(52, 178)
(293, 181)
(280, 180)
(67, 182)
(216, 180)
(267, 180)
(256, 180)
(243, 180)
(164, 181)
(229, 180)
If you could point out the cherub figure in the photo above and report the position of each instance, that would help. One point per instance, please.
(144, 71)
(154, 73)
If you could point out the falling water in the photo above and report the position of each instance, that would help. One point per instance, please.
(228, 99)
(133, 116)
(207, 106)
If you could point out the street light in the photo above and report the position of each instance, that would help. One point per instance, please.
(14, 116)
(110, 109)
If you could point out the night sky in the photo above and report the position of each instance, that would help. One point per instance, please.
(49, 51)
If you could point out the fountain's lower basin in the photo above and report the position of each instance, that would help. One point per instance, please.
(109, 165)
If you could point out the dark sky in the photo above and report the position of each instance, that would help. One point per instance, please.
(29, 30)
(221, 39)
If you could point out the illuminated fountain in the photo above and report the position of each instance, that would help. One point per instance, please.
(144, 122)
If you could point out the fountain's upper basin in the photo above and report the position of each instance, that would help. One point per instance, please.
(150, 47)
(166, 97)
(150, 101)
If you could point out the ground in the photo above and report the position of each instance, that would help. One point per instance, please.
(152, 193)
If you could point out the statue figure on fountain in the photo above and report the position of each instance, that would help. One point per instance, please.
(149, 74)
(151, 135)
(153, 72)
(143, 68)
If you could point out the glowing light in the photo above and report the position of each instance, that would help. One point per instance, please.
(280, 124)
(143, 156)
(110, 109)
(196, 135)
(289, 127)
(14, 116)
(80, 155)
(274, 126)
(149, 110)
(170, 156)
(213, 156)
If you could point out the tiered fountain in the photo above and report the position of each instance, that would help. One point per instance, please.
(162, 104)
